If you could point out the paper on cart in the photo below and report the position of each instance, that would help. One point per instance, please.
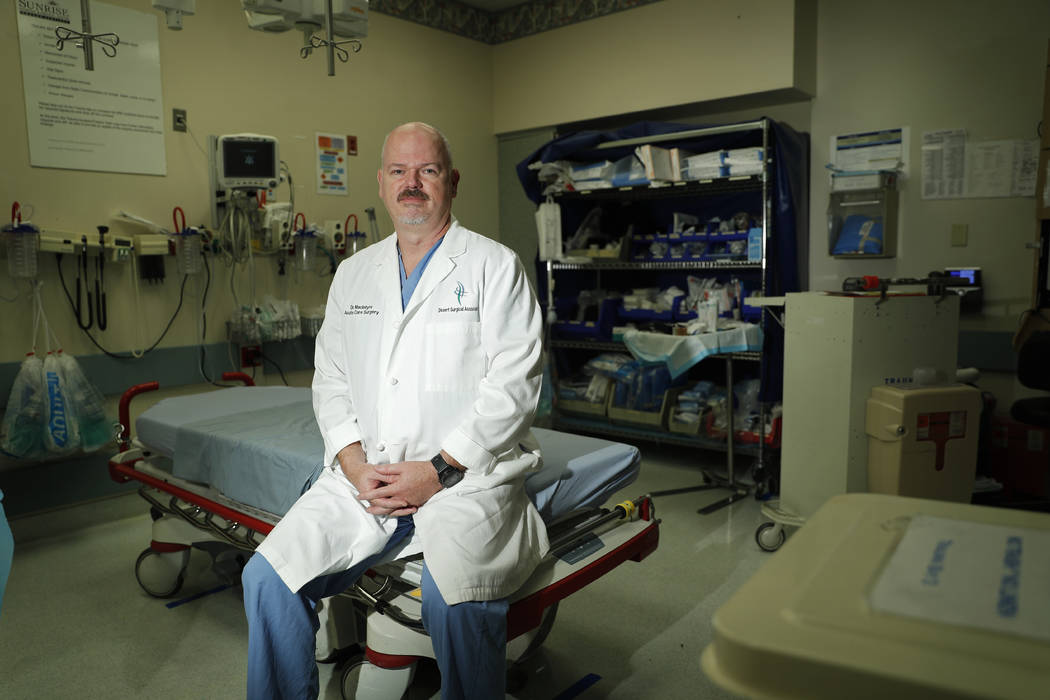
(993, 577)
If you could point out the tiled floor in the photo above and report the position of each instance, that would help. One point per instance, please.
(76, 624)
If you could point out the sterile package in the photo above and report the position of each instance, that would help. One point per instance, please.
(742, 156)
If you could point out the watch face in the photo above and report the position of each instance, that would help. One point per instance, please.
(450, 476)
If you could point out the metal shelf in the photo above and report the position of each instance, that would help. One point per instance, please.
(600, 427)
(614, 346)
(689, 188)
(757, 186)
(601, 264)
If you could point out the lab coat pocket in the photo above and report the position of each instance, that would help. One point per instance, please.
(453, 356)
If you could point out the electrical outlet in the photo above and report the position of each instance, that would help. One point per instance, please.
(178, 119)
(251, 356)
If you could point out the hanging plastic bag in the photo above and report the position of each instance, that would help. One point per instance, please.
(88, 405)
(61, 433)
(24, 419)
(548, 228)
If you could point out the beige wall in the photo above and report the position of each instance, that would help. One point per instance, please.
(667, 53)
(231, 79)
(978, 66)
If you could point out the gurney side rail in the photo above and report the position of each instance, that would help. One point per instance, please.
(233, 532)
(123, 471)
(383, 607)
(527, 613)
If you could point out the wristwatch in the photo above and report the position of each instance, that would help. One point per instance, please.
(448, 475)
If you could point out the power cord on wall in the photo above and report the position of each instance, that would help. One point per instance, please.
(204, 325)
(279, 370)
(130, 356)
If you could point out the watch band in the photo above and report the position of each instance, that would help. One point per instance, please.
(447, 474)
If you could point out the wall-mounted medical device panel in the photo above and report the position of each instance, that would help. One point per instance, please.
(238, 166)
(862, 215)
(247, 162)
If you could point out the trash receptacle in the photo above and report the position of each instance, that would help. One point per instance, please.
(922, 441)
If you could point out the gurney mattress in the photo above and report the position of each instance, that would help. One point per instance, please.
(261, 446)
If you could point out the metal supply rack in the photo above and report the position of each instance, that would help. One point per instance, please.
(679, 190)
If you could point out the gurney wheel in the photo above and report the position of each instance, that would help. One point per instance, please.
(161, 574)
(361, 679)
(770, 536)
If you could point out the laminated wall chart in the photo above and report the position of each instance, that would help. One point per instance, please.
(953, 167)
(107, 119)
(332, 167)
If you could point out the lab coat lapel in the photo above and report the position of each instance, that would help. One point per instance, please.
(439, 267)
(388, 280)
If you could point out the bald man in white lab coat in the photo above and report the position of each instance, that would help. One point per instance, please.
(427, 375)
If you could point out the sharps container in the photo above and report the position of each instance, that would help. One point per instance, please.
(922, 441)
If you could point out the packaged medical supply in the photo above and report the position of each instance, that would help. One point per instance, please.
(310, 321)
(629, 171)
(24, 418)
(860, 235)
(61, 431)
(95, 428)
(591, 171)
(607, 364)
(278, 319)
(742, 156)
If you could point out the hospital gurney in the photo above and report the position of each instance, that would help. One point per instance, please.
(219, 469)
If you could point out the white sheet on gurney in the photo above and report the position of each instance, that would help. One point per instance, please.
(261, 446)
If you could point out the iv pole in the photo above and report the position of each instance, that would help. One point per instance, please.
(333, 47)
(85, 38)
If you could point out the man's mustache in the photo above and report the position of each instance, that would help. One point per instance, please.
(418, 194)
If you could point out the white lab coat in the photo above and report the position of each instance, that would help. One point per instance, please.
(458, 370)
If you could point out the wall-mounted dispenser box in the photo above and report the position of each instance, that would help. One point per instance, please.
(862, 215)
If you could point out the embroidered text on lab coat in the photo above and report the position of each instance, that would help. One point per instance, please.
(361, 310)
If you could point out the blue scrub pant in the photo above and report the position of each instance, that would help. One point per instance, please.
(469, 639)
(7, 550)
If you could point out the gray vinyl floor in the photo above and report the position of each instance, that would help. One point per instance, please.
(75, 624)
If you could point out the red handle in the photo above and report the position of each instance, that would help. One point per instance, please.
(238, 376)
(175, 213)
(124, 410)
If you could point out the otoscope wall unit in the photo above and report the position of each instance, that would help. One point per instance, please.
(862, 215)
(118, 248)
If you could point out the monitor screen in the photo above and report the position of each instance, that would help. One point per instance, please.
(248, 158)
(970, 274)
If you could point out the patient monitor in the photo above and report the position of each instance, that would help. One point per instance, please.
(246, 162)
